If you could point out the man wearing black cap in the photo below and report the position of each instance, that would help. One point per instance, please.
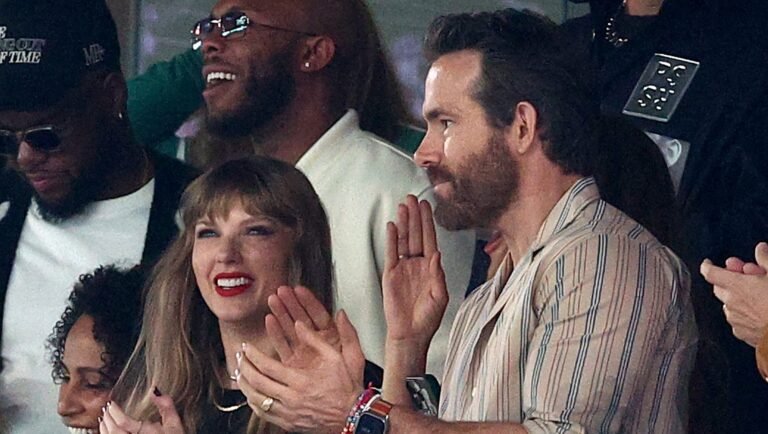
(77, 192)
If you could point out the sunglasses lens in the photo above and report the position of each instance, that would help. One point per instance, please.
(8, 143)
(43, 140)
(205, 27)
(233, 23)
(199, 31)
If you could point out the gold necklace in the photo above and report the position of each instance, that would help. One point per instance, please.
(230, 408)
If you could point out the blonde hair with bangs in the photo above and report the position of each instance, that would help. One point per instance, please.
(179, 348)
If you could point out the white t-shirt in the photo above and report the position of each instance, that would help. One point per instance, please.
(49, 259)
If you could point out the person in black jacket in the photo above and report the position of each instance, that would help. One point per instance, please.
(77, 191)
(692, 75)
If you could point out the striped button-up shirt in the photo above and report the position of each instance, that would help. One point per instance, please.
(592, 332)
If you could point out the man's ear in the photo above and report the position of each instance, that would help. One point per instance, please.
(521, 135)
(116, 93)
(317, 53)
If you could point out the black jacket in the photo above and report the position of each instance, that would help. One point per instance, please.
(723, 196)
(724, 114)
(171, 177)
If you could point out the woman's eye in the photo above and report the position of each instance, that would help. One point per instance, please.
(205, 233)
(260, 230)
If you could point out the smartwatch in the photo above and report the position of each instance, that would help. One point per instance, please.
(425, 393)
(375, 418)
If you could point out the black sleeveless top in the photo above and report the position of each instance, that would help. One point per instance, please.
(230, 413)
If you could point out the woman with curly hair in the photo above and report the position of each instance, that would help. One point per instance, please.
(92, 341)
(250, 226)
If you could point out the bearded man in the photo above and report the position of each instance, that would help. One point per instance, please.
(587, 325)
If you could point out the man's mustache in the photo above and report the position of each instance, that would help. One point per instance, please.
(438, 175)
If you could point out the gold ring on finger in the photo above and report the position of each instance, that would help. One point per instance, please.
(266, 405)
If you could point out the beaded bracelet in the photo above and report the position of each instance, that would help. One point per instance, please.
(361, 405)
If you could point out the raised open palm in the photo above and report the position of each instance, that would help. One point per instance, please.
(414, 289)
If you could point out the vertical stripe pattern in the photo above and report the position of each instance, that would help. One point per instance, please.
(593, 332)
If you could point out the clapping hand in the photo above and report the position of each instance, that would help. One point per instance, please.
(315, 389)
(742, 287)
(115, 421)
(320, 372)
(291, 305)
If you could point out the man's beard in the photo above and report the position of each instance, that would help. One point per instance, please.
(484, 186)
(85, 190)
(265, 97)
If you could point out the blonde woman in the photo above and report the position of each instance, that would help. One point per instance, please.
(250, 226)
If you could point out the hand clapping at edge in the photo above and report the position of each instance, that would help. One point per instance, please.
(742, 288)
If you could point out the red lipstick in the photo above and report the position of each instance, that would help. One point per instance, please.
(232, 284)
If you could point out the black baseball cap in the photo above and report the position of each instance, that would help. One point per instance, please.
(46, 46)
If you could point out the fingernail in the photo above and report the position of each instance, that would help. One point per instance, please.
(237, 374)
(239, 357)
(109, 403)
(103, 409)
(244, 346)
(100, 419)
(156, 391)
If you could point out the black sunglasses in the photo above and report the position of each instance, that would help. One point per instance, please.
(42, 138)
(232, 25)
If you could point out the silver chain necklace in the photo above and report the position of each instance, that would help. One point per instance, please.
(611, 34)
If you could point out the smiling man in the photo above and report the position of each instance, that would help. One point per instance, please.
(285, 73)
(77, 192)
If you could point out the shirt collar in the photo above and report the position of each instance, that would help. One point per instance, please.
(581, 194)
(324, 147)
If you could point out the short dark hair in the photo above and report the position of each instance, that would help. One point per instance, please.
(112, 297)
(523, 59)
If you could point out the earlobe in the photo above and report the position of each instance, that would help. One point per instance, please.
(318, 53)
